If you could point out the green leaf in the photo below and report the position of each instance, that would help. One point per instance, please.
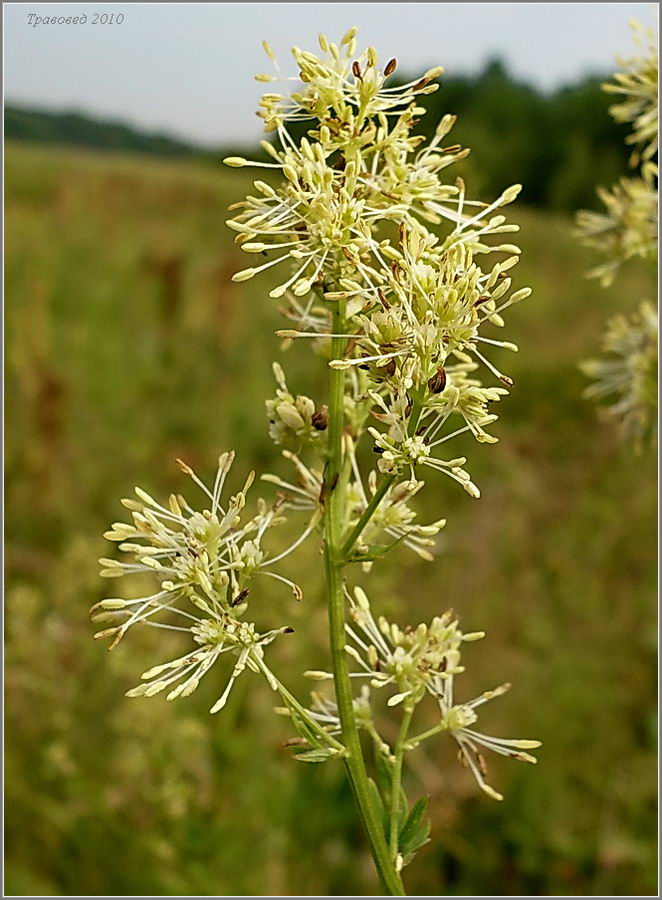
(378, 804)
(415, 832)
(384, 767)
(403, 807)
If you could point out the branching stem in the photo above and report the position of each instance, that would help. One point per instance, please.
(366, 515)
(381, 491)
(334, 513)
(396, 780)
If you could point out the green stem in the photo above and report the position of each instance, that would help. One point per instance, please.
(290, 698)
(334, 514)
(415, 414)
(419, 738)
(366, 515)
(380, 493)
(396, 780)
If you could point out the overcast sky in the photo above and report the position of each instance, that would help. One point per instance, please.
(187, 68)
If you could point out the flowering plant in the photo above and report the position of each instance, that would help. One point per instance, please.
(393, 276)
(625, 230)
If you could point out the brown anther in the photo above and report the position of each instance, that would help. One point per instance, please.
(390, 67)
(389, 369)
(421, 84)
(320, 419)
(437, 382)
(382, 298)
(241, 596)
(356, 70)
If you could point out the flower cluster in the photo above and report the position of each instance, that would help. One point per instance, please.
(339, 90)
(393, 517)
(416, 304)
(629, 371)
(392, 520)
(637, 82)
(628, 226)
(627, 229)
(293, 420)
(204, 563)
(415, 662)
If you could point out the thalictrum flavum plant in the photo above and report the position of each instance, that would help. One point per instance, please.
(396, 281)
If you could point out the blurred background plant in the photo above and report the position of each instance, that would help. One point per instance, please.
(128, 345)
(627, 375)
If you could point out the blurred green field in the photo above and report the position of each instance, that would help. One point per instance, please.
(127, 346)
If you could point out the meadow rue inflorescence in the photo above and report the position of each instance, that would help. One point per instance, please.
(628, 372)
(637, 86)
(204, 564)
(350, 220)
(398, 280)
(424, 660)
(392, 520)
(628, 229)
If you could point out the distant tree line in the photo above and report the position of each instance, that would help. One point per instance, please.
(82, 130)
(558, 144)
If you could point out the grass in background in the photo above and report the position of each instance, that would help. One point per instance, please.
(127, 346)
